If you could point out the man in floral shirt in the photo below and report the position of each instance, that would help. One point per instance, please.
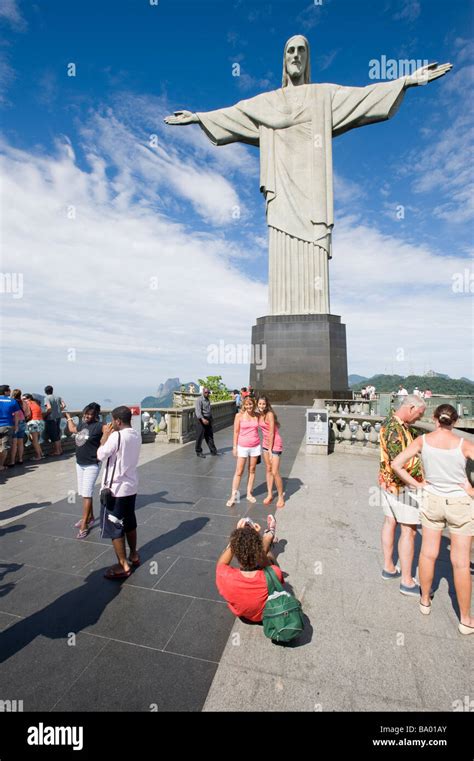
(399, 504)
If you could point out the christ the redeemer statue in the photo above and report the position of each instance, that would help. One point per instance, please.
(293, 127)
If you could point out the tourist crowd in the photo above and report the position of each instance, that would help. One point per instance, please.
(422, 481)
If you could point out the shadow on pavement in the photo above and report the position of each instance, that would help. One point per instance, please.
(84, 605)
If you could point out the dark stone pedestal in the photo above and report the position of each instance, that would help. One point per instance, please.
(299, 358)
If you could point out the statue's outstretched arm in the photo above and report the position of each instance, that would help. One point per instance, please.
(181, 117)
(427, 74)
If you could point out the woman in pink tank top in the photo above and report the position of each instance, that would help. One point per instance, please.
(272, 449)
(246, 445)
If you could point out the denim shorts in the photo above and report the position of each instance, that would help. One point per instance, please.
(20, 434)
(273, 452)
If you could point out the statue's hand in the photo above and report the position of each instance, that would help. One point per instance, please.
(427, 73)
(181, 117)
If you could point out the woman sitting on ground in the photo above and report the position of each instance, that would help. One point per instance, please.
(245, 588)
(446, 503)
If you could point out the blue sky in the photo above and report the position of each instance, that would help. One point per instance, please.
(132, 262)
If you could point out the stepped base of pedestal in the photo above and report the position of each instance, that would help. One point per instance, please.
(299, 358)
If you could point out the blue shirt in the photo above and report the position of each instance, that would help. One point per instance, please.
(7, 407)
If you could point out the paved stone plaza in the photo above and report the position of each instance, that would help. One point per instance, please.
(164, 640)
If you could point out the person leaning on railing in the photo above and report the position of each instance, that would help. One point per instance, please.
(35, 426)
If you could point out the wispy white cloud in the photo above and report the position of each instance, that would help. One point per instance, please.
(312, 15)
(153, 163)
(409, 11)
(444, 163)
(347, 192)
(325, 60)
(396, 295)
(10, 12)
(111, 277)
(7, 77)
(246, 82)
(464, 49)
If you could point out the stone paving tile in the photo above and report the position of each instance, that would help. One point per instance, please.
(6, 619)
(203, 631)
(141, 616)
(41, 671)
(164, 519)
(147, 575)
(10, 574)
(59, 554)
(125, 677)
(41, 592)
(190, 576)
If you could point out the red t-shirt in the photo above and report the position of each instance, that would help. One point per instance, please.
(246, 596)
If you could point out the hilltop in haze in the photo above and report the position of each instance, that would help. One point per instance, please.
(165, 391)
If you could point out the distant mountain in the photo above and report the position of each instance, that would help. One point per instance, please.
(437, 383)
(466, 379)
(432, 374)
(170, 385)
(165, 393)
(356, 379)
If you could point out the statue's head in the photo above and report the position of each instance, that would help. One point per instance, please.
(296, 64)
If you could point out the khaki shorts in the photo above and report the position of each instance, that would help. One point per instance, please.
(403, 507)
(6, 435)
(453, 513)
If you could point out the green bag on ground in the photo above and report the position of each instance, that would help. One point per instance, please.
(282, 614)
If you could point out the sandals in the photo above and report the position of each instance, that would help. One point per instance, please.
(134, 563)
(271, 527)
(465, 629)
(425, 609)
(90, 525)
(231, 502)
(83, 533)
(251, 498)
(112, 575)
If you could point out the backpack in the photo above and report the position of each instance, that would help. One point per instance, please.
(282, 614)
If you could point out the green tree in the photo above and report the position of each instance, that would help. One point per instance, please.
(219, 391)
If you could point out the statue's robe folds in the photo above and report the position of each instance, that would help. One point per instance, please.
(294, 127)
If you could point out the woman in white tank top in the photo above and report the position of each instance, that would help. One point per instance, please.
(447, 502)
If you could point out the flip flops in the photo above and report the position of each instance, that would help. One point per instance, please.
(134, 563)
(90, 525)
